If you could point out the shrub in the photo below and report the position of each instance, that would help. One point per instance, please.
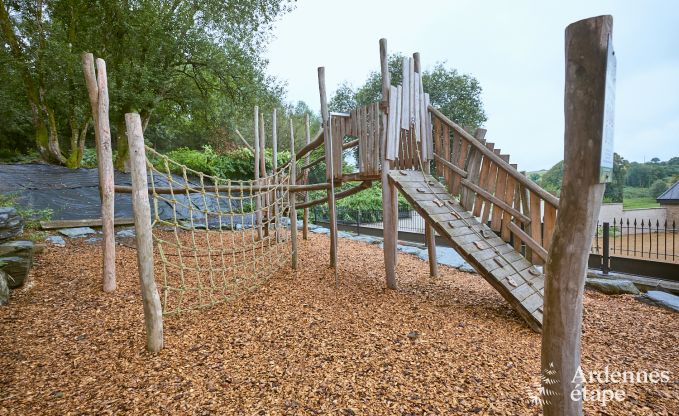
(658, 188)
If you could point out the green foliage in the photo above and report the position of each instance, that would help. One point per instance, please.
(551, 180)
(658, 188)
(237, 164)
(614, 189)
(194, 69)
(458, 96)
(32, 217)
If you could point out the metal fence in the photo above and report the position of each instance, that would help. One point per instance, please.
(637, 238)
(408, 220)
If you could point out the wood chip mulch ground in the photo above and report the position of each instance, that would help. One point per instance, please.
(300, 345)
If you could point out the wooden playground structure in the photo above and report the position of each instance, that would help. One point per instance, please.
(465, 189)
(497, 219)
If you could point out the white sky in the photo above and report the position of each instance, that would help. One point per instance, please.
(514, 48)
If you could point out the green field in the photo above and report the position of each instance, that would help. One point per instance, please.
(634, 198)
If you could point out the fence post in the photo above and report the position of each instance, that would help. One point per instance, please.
(606, 254)
(358, 221)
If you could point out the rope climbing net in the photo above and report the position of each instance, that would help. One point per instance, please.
(215, 239)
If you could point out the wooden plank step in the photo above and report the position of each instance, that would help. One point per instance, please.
(514, 277)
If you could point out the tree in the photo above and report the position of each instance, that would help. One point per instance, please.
(614, 189)
(344, 99)
(194, 66)
(457, 96)
(658, 188)
(551, 180)
(655, 160)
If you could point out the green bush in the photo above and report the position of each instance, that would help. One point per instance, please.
(236, 164)
(658, 188)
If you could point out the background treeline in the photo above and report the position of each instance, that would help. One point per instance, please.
(635, 184)
(192, 69)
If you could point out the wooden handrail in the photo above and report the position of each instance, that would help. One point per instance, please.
(532, 186)
(534, 245)
(450, 166)
(495, 200)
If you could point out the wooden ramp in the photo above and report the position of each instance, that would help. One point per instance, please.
(517, 280)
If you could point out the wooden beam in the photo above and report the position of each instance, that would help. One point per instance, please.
(389, 192)
(93, 222)
(332, 219)
(450, 166)
(534, 245)
(305, 217)
(495, 200)
(153, 315)
(590, 81)
(293, 211)
(343, 194)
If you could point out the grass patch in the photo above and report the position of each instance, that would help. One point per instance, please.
(636, 203)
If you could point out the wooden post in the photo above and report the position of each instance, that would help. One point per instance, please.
(389, 192)
(590, 69)
(274, 194)
(153, 315)
(97, 88)
(307, 160)
(293, 211)
(258, 198)
(329, 168)
(262, 171)
(429, 234)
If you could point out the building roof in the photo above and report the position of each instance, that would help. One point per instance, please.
(670, 196)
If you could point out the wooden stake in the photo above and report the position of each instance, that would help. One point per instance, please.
(329, 167)
(589, 81)
(305, 218)
(293, 211)
(97, 89)
(258, 198)
(106, 180)
(389, 192)
(153, 315)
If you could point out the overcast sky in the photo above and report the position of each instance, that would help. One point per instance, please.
(515, 49)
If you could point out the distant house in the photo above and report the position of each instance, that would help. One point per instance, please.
(670, 201)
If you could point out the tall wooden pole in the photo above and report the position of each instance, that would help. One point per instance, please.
(389, 192)
(429, 234)
(293, 211)
(153, 315)
(590, 74)
(329, 168)
(258, 198)
(97, 89)
(307, 159)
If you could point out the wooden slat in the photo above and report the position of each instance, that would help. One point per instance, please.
(510, 190)
(500, 186)
(392, 128)
(462, 163)
(550, 223)
(491, 185)
(445, 137)
(473, 169)
(536, 223)
(517, 206)
(525, 208)
(484, 178)
(405, 102)
(417, 136)
(411, 92)
(89, 222)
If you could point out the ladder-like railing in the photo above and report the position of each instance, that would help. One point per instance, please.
(492, 189)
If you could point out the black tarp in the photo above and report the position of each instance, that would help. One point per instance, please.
(73, 194)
